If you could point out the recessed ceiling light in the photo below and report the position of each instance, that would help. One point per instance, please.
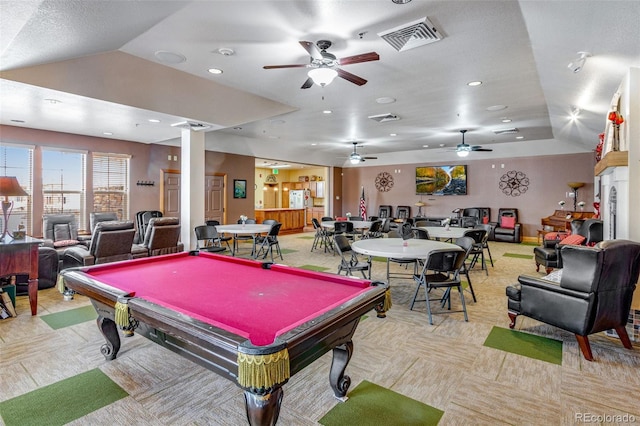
(393, 134)
(107, 133)
(314, 144)
(496, 107)
(170, 57)
(154, 120)
(215, 71)
(474, 83)
(519, 137)
(327, 111)
(506, 120)
(385, 100)
(441, 144)
(425, 146)
(226, 51)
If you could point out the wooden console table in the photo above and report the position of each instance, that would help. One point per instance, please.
(21, 257)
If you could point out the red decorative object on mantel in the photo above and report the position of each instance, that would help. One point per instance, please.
(616, 120)
(599, 147)
(596, 210)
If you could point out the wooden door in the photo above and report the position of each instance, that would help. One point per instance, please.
(214, 198)
(171, 194)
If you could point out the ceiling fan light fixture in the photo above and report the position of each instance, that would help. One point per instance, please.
(355, 158)
(462, 153)
(322, 76)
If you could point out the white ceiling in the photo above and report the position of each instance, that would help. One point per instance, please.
(97, 58)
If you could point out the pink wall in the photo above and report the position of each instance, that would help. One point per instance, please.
(548, 177)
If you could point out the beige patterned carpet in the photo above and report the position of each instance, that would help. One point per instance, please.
(444, 365)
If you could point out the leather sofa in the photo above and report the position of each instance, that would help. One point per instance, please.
(47, 271)
(507, 228)
(594, 292)
(549, 253)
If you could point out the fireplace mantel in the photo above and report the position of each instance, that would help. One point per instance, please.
(610, 160)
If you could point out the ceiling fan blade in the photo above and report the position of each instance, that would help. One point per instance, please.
(481, 149)
(363, 57)
(271, 67)
(307, 84)
(312, 49)
(351, 77)
(370, 158)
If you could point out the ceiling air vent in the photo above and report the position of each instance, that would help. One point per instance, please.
(191, 125)
(410, 35)
(506, 131)
(381, 118)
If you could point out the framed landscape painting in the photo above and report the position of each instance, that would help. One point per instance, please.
(239, 188)
(441, 180)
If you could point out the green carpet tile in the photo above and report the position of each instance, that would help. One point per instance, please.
(62, 402)
(70, 317)
(530, 244)
(519, 256)
(314, 268)
(525, 344)
(370, 404)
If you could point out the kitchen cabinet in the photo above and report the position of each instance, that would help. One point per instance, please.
(319, 189)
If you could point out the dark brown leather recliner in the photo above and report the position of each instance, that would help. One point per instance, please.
(549, 255)
(162, 236)
(385, 211)
(594, 293)
(111, 242)
(472, 216)
(508, 234)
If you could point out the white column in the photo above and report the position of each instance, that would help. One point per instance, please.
(191, 186)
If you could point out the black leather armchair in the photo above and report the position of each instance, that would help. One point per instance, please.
(549, 253)
(472, 216)
(594, 293)
(385, 211)
(162, 236)
(111, 242)
(501, 232)
(403, 212)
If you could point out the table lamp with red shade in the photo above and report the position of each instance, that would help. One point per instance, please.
(9, 187)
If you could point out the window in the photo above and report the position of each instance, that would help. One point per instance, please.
(17, 160)
(63, 183)
(111, 184)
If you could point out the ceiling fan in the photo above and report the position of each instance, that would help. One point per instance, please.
(464, 149)
(356, 158)
(324, 65)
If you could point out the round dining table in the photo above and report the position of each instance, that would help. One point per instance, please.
(444, 233)
(357, 224)
(395, 248)
(252, 229)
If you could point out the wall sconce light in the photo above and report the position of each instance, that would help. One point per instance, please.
(577, 65)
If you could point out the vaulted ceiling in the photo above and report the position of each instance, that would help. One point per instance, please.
(111, 66)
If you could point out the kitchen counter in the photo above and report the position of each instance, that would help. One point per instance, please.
(292, 220)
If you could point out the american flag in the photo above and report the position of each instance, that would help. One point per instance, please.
(363, 206)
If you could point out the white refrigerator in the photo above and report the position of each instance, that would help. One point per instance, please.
(296, 199)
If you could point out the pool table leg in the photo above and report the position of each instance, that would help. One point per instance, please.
(337, 379)
(109, 330)
(263, 410)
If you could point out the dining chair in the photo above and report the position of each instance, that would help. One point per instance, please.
(207, 239)
(467, 244)
(485, 242)
(478, 236)
(375, 230)
(221, 236)
(237, 238)
(264, 244)
(440, 271)
(349, 261)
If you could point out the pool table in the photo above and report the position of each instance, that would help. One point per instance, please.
(254, 323)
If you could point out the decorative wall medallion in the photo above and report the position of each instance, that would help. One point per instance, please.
(384, 182)
(514, 183)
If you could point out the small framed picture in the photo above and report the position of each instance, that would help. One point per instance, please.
(239, 188)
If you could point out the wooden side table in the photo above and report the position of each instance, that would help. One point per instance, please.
(21, 257)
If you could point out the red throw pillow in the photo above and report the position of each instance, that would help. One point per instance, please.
(508, 222)
(65, 243)
(556, 236)
(574, 239)
(485, 220)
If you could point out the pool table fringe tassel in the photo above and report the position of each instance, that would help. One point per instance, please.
(387, 301)
(263, 371)
(122, 314)
(60, 284)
